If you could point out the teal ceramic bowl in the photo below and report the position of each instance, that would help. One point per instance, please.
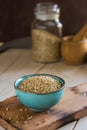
(39, 102)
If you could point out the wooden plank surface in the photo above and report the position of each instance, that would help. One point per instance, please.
(70, 126)
(82, 124)
(15, 63)
(72, 107)
(73, 75)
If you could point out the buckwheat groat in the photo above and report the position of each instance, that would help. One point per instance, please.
(40, 84)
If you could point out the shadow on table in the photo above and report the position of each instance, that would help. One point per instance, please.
(18, 43)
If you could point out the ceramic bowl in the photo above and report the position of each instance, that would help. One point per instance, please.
(39, 102)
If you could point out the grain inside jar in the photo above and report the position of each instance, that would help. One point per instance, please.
(45, 47)
(46, 33)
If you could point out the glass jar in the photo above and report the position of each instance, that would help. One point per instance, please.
(46, 33)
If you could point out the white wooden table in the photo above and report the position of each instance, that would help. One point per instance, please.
(15, 63)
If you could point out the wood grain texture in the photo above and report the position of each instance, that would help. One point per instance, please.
(82, 124)
(18, 62)
(6, 125)
(72, 107)
(15, 63)
(69, 126)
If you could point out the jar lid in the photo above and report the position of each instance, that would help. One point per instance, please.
(46, 10)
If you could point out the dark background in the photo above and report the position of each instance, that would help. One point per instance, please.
(16, 17)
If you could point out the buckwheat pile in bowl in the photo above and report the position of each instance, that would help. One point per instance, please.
(40, 84)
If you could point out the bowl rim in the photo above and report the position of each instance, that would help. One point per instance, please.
(31, 75)
(69, 39)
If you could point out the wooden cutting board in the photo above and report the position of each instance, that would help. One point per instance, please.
(14, 116)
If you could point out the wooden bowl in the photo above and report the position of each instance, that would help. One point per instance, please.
(73, 52)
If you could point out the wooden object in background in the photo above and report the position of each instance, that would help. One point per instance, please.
(73, 106)
(82, 34)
